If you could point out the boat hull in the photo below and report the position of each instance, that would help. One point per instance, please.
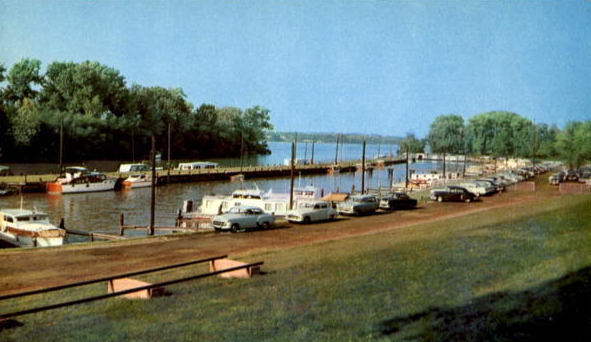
(31, 241)
(70, 188)
(133, 185)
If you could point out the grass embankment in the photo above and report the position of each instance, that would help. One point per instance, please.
(510, 274)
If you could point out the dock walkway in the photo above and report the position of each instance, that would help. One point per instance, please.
(36, 183)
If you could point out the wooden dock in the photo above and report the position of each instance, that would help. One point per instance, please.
(23, 185)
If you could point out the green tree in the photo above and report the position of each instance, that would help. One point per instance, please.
(412, 144)
(446, 134)
(574, 143)
(500, 134)
(546, 141)
(256, 121)
(23, 79)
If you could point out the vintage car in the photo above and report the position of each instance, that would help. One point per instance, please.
(240, 218)
(556, 178)
(494, 182)
(307, 212)
(477, 188)
(452, 193)
(358, 205)
(397, 201)
(572, 176)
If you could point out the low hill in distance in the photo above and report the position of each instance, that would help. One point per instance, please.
(332, 137)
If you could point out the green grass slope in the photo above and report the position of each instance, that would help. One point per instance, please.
(510, 274)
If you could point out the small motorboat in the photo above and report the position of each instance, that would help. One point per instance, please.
(138, 180)
(29, 228)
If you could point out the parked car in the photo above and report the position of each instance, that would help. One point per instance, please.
(397, 201)
(241, 218)
(452, 193)
(585, 176)
(358, 205)
(555, 178)
(307, 212)
(473, 187)
(493, 182)
(572, 176)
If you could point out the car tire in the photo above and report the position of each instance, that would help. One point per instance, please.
(235, 228)
(332, 218)
(467, 200)
(307, 220)
(265, 225)
(439, 199)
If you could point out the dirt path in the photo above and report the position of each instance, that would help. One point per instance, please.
(29, 269)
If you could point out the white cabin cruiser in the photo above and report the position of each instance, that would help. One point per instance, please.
(29, 228)
(276, 203)
(79, 179)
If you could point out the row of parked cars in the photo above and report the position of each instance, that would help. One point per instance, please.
(583, 175)
(484, 186)
(241, 218)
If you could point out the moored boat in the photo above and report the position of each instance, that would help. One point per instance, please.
(78, 179)
(29, 228)
(276, 203)
(138, 180)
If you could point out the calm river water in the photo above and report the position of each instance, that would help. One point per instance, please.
(99, 212)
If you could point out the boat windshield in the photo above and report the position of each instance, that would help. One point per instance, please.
(37, 217)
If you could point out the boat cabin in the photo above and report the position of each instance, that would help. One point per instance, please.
(133, 167)
(15, 217)
(198, 165)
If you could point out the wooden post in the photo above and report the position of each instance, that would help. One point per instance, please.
(61, 146)
(406, 173)
(363, 169)
(153, 198)
(312, 159)
(168, 166)
(241, 149)
(122, 224)
(293, 151)
(444, 177)
(336, 155)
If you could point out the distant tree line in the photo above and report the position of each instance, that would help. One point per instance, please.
(506, 134)
(332, 137)
(100, 117)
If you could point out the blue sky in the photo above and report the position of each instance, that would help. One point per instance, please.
(383, 67)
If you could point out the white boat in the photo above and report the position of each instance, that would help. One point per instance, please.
(78, 179)
(275, 203)
(133, 167)
(197, 165)
(29, 228)
(138, 180)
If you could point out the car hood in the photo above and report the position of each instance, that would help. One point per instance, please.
(227, 217)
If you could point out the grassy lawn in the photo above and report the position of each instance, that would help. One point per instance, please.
(511, 274)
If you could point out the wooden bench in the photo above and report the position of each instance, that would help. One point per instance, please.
(222, 264)
(122, 284)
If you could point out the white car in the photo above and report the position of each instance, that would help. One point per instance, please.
(307, 212)
(475, 188)
(241, 218)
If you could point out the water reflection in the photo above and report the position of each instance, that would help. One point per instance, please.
(100, 211)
